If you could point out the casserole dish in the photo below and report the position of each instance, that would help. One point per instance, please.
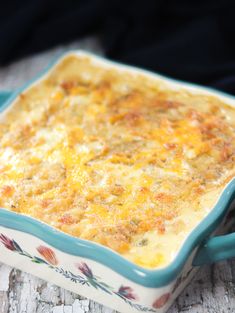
(81, 266)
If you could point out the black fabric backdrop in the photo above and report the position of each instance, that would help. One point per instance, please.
(189, 40)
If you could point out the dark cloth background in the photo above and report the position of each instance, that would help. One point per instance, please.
(188, 40)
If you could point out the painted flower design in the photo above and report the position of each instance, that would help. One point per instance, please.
(8, 243)
(126, 292)
(48, 254)
(50, 260)
(160, 302)
(84, 268)
(91, 279)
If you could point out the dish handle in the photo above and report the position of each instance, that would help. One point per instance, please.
(216, 249)
(4, 96)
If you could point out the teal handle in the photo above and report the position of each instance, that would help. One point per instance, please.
(216, 249)
(4, 96)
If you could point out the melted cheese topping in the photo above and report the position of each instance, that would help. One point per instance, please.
(116, 157)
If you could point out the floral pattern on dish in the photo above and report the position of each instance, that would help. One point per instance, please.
(48, 254)
(85, 277)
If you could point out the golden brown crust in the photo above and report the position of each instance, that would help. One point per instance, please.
(110, 156)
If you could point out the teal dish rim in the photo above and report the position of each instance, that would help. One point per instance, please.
(96, 252)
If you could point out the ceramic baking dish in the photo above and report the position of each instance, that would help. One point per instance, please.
(97, 272)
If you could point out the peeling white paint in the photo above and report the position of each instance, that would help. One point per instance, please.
(4, 277)
(63, 309)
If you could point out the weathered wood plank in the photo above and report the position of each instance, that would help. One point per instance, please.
(5, 272)
(212, 291)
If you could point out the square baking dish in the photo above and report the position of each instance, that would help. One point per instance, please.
(99, 273)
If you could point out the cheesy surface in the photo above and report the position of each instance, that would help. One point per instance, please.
(116, 157)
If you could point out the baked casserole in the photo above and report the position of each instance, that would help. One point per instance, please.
(116, 157)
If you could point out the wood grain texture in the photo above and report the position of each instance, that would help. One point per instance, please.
(212, 291)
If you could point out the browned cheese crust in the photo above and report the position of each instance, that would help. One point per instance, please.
(114, 157)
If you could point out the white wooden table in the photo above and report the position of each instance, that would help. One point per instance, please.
(212, 291)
